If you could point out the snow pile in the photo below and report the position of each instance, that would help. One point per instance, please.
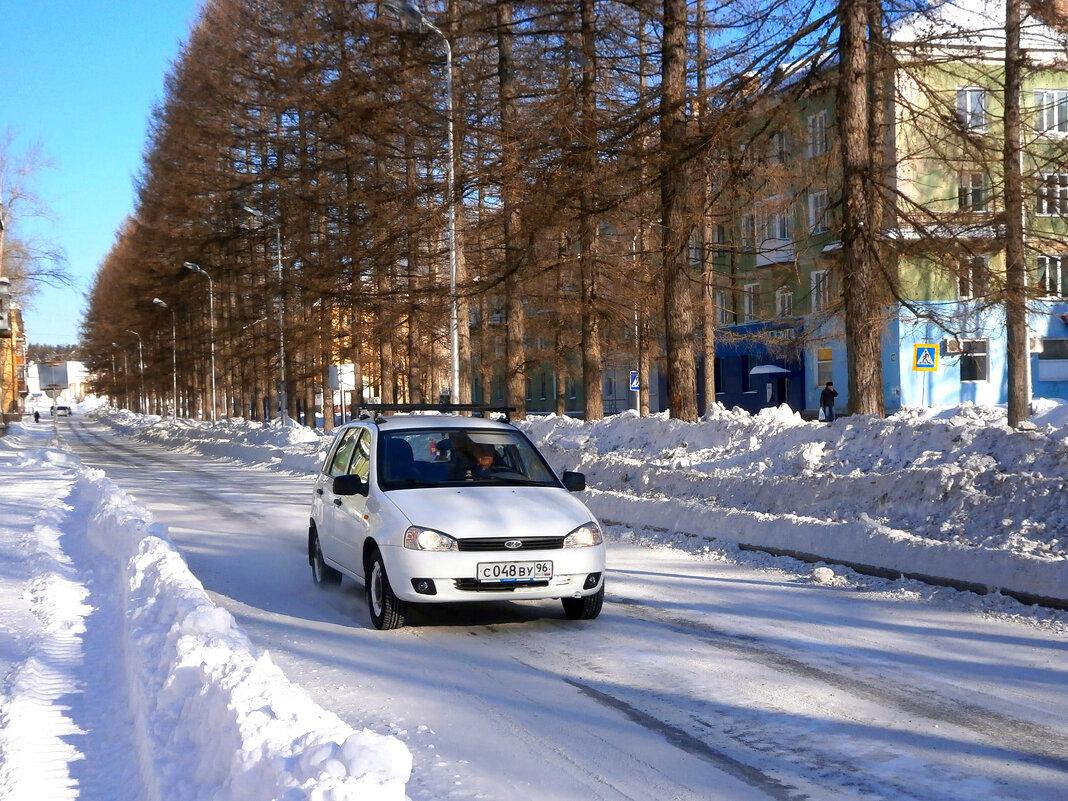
(952, 495)
(211, 718)
(949, 495)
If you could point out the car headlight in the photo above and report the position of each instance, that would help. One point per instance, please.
(426, 539)
(584, 536)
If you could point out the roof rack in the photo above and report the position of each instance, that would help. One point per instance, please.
(443, 408)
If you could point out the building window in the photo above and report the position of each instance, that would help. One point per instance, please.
(972, 277)
(697, 250)
(750, 302)
(1051, 111)
(820, 289)
(748, 384)
(972, 193)
(748, 230)
(817, 211)
(818, 143)
(717, 374)
(1052, 275)
(973, 360)
(780, 148)
(824, 366)
(724, 308)
(781, 227)
(1053, 360)
(784, 302)
(971, 108)
(1052, 196)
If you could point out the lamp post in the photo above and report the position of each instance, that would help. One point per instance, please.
(140, 371)
(211, 314)
(413, 15)
(283, 401)
(174, 350)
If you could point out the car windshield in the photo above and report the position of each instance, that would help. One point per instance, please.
(452, 456)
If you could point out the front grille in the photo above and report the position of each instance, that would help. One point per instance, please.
(497, 544)
(473, 585)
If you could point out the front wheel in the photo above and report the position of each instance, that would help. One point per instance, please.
(585, 608)
(322, 574)
(387, 610)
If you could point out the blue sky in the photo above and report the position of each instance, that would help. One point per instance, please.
(80, 78)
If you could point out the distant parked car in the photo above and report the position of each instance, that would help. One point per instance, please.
(440, 508)
(61, 411)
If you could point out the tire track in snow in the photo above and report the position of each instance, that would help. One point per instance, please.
(1040, 747)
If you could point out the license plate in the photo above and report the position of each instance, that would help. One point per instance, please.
(513, 572)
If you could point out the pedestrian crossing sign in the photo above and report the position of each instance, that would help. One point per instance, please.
(925, 357)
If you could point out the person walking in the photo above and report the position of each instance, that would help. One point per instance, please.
(827, 402)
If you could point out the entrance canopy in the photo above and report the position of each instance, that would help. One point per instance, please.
(768, 369)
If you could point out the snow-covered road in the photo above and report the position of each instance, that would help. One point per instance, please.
(703, 679)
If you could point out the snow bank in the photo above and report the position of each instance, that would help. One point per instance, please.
(213, 719)
(948, 494)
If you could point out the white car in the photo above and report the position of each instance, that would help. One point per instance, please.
(442, 508)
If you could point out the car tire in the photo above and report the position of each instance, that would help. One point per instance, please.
(386, 609)
(585, 608)
(323, 575)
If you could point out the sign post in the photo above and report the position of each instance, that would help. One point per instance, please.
(924, 360)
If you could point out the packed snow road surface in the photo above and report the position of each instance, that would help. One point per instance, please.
(704, 678)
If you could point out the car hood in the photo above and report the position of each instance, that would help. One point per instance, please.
(493, 511)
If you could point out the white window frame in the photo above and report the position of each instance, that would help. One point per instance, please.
(971, 108)
(818, 202)
(820, 289)
(780, 148)
(979, 351)
(1051, 194)
(782, 226)
(1057, 267)
(972, 277)
(818, 142)
(1051, 111)
(750, 299)
(724, 308)
(1053, 359)
(973, 191)
(784, 302)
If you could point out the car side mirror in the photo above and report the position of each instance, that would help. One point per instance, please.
(574, 482)
(349, 485)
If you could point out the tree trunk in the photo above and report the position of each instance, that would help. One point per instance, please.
(1018, 352)
(675, 222)
(516, 323)
(592, 374)
(860, 284)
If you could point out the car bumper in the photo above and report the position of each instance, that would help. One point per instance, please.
(434, 577)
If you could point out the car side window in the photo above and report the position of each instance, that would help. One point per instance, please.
(342, 457)
(361, 459)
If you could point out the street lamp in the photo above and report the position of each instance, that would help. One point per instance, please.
(140, 371)
(211, 313)
(413, 15)
(283, 401)
(174, 350)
